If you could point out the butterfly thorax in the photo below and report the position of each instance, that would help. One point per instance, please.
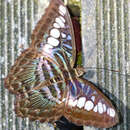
(73, 72)
(79, 71)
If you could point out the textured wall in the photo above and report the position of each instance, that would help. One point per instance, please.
(106, 44)
(106, 41)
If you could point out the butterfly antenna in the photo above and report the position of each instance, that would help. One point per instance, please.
(107, 69)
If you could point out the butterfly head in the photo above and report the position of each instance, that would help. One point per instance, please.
(79, 71)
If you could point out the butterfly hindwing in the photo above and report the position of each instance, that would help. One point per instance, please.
(86, 105)
(42, 104)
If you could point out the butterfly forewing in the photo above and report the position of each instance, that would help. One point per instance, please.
(55, 30)
(86, 105)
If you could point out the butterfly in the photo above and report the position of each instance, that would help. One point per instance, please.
(46, 82)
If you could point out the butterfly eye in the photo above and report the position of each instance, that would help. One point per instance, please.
(79, 71)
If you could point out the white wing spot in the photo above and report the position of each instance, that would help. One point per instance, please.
(62, 19)
(70, 102)
(111, 112)
(47, 48)
(93, 98)
(104, 108)
(60, 22)
(55, 33)
(56, 25)
(52, 41)
(108, 111)
(95, 109)
(63, 35)
(100, 108)
(74, 103)
(62, 10)
(81, 102)
(64, 99)
(61, 13)
(89, 105)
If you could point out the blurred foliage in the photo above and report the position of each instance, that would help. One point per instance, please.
(79, 59)
(75, 2)
(74, 6)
